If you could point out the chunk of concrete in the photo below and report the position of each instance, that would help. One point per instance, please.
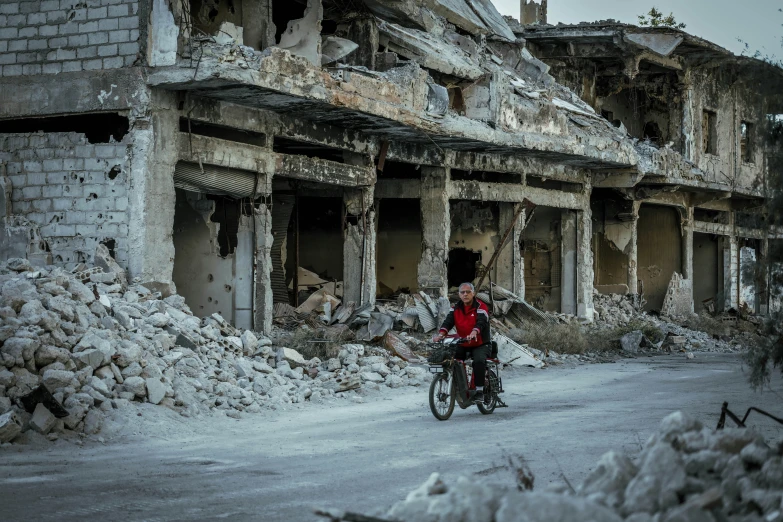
(137, 386)
(54, 379)
(104, 260)
(293, 357)
(156, 390)
(43, 420)
(631, 341)
(10, 426)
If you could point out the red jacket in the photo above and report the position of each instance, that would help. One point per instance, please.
(467, 319)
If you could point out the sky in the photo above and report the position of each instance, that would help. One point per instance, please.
(757, 22)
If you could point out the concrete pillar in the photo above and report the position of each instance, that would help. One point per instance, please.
(633, 252)
(244, 259)
(257, 25)
(263, 303)
(731, 273)
(508, 266)
(568, 262)
(151, 196)
(763, 278)
(436, 230)
(686, 225)
(359, 247)
(584, 265)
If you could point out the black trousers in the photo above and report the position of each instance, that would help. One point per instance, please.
(479, 354)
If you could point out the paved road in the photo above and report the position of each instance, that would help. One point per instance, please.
(361, 456)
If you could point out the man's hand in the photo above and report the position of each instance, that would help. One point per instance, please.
(438, 338)
(473, 335)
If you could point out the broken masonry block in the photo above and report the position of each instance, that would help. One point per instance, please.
(10, 426)
(43, 420)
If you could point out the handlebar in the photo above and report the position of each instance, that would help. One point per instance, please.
(455, 338)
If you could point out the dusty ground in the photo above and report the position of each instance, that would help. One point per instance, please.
(279, 465)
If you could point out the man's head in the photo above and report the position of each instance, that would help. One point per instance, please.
(466, 293)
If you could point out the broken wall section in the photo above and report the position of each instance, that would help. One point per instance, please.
(723, 121)
(51, 37)
(76, 192)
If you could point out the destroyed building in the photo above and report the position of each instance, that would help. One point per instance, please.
(245, 150)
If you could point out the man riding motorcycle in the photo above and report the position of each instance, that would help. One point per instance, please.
(470, 317)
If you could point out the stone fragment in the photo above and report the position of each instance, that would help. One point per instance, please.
(92, 358)
(54, 379)
(293, 357)
(104, 260)
(136, 385)
(609, 479)
(117, 374)
(661, 477)
(80, 291)
(10, 426)
(7, 379)
(156, 390)
(158, 320)
(43, 420)
(249, 343)
(630, 342)
(100, 386)
(93, 422)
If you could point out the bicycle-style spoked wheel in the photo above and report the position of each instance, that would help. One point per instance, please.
(442, 396)
(490, 394)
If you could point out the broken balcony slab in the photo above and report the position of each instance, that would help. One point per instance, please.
(376, 107)
(429, 51)
(506, 192)
(231, 156)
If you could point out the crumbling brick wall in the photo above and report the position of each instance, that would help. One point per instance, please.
(54, 36)
(75, 191)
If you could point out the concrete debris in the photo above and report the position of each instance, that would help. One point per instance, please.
(631, 341)
(684, 472)
(155, 350)
(43, 420)
(10, 426)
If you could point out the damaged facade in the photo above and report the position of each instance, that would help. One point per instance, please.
(249, 152)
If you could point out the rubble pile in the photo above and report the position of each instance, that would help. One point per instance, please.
(615, 310)
(685, 472)
(77, 345)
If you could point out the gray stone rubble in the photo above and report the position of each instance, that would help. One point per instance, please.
(686, 472)
(98, 343)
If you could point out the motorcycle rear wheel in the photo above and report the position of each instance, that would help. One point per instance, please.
(491, 392)
(442, 396)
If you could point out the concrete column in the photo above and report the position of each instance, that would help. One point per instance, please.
(568, 262)
(436, 230)
(257, 25)
(508, 266)
(263, 303)
(584, 265)
(151, 196)
(763, 278)
(731, 274)
(686, 216)
(244, 259)
(359, 247)
(633, 252)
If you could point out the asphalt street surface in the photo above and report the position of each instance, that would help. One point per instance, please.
(361, 457)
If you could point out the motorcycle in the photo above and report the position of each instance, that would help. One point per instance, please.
(453, 381)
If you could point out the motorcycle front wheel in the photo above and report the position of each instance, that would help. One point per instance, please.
(442, 396)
